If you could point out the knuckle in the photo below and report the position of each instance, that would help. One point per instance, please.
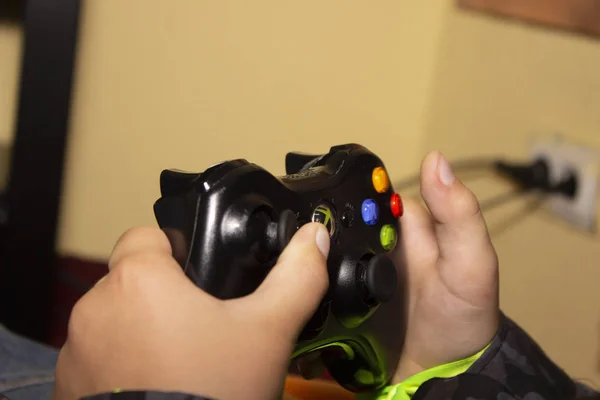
(134, 234)
(423, 190)
(139, 271)
(467, 203)
(127, 270)
(494, 260)
(282, 326)
(78, 319)
(319, 276)
(313, 269)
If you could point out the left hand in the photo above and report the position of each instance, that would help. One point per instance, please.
(452, 270)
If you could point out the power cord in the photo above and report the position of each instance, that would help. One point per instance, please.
(528, 177)
(536, 176)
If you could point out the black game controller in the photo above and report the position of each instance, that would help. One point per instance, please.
(228, 225)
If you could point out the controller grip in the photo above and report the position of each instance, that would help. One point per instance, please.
(229, 259)
(174, 216)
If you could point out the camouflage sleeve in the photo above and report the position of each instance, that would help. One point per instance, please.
(513, 367)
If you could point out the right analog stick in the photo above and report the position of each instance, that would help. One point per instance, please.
(380, 279)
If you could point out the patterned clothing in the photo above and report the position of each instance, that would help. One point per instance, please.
(513, 367)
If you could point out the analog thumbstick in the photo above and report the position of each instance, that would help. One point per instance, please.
(281, 232)
(380, 279)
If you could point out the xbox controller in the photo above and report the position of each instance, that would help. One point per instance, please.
(228, 225)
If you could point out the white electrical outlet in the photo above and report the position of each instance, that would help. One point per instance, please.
(563, 159)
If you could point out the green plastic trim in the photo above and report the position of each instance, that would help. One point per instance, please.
(406, 389)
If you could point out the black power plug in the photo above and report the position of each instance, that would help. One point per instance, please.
(536, 176)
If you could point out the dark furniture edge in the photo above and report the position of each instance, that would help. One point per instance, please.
(28, 263)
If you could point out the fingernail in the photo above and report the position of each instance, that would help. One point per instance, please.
(445, 172)
(322, 239)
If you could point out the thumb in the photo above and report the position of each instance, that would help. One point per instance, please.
(461, 231)
(298, 282)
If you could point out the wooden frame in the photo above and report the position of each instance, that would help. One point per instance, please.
(581, 16)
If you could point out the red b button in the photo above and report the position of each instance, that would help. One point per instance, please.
(396, 205)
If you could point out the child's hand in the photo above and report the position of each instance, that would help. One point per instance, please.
(147, 327)
(452, 271)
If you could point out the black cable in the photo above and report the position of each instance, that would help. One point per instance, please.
(511, 220)
(536, 176)
(527, 176)
(532, 177)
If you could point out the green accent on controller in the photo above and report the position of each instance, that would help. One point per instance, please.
(388, 237)
(364, 377)
(324, 215)
(347, 349)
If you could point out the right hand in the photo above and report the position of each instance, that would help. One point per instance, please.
(146, 326)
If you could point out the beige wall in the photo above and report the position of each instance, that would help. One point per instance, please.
(11, 37)
(496, 84)
(185, 86)
(10, 63)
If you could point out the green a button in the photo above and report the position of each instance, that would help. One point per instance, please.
(388, 237)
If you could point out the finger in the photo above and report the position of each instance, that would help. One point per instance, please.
(141, 240)
(417, 228)
(297, 283)
(460, 227)
(418, 244)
